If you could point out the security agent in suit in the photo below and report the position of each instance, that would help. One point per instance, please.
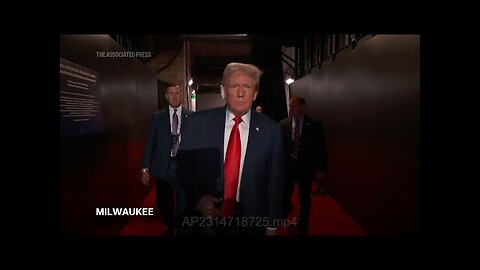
(202, 162)
(160, 152)
(305, 161)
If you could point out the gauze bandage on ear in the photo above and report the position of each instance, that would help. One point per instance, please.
(222, 91)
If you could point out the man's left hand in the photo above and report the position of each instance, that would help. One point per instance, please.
(271, 231)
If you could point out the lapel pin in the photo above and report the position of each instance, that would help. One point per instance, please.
(258, 129)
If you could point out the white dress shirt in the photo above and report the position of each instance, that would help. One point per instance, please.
(243, 128)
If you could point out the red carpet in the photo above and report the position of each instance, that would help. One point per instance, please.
(142, 225)
(326, 219)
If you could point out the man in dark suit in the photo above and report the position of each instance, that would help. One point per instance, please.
(160, 151)
(232, 162)
(305, 155)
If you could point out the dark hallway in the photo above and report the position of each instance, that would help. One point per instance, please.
(364, 88)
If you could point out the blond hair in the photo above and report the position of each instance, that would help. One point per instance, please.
(248, 69)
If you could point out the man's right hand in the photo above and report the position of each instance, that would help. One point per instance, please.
(206, 206)
(145, 177)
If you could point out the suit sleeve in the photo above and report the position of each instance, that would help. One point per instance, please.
(151, 143)
(276, 179)
(186, 172)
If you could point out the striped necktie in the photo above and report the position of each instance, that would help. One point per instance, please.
(296, 139)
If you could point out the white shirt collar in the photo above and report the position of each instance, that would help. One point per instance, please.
(245, 117)
(179, 109)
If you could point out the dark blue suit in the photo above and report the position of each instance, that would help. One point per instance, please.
(200, 164)
(157, 156)
(159, 143)
(312, 157)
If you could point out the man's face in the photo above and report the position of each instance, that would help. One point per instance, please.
(295, 108)
(240, 93)
(174, 96)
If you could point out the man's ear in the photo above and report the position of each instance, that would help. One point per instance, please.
(222, 91)
(166, 96)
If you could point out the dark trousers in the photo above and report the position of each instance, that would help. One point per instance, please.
(166, 204)
(167, 190)
(295, 173)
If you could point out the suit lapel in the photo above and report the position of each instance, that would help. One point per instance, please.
(185, 113)
(184, 116)
(305, 127)
(288, 134)
(167, 120)
(218, 135)
(168, 130)
(253, 143)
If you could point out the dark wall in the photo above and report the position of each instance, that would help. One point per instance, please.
(103, 170)
(208, 101)
(369, 100)
(162, 90)
(267, 55)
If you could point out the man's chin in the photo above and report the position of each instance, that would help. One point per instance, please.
(241, 113)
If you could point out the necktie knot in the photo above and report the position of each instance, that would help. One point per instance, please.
(237, 119)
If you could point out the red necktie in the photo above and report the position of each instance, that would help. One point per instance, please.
(231, 170)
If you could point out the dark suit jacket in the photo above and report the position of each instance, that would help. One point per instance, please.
(159, 143)
(312, 151)
(261, 187)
